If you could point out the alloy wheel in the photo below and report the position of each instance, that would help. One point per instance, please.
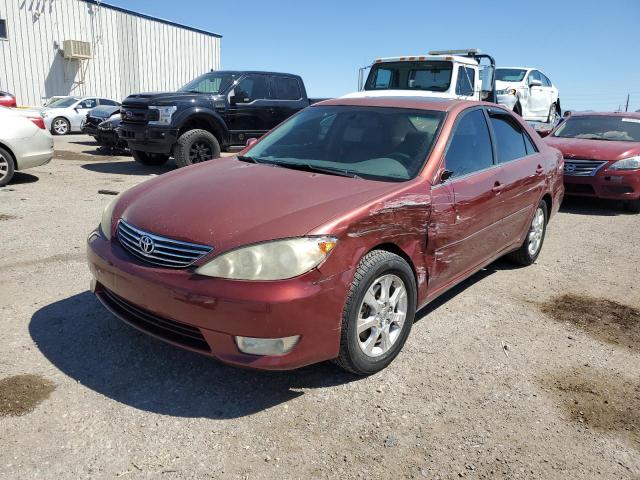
(382, 314)
(60, 126)
(200, 152)
(553, 114)
(536, 232)
(4, 167)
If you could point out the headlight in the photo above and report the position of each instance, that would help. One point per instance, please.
(107, 217)
(163, 116)
(632, 163)
(507, 91)
(276, 260)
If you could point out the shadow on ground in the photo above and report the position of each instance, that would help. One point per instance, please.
(20, 178)
(88, 344)
(593, 206)
(128, 167)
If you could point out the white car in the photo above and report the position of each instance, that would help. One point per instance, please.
(24, 143)
(529, 93)
(66, 115)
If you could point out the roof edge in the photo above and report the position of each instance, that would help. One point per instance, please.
(152, 18)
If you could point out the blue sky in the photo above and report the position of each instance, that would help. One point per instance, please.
(589, 48)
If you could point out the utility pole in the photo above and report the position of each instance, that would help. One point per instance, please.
(626, 108)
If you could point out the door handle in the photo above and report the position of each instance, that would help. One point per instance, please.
(497, 187)
(540, 169)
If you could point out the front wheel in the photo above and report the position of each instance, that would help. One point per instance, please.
(532, 245)
(196, 146)
(378, 314)
(60, 126)
(553, 114)
(150, 159)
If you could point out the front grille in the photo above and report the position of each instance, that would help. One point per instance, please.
(159, 251)
(581, 188)
(170, 330)
(581, 168)
(134, 114)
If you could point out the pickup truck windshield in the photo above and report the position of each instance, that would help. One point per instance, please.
(389, 144)
(433, 76)
(600, 127)
(212, 83)
(510, 74)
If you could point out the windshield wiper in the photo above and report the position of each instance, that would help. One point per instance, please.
(314, 168)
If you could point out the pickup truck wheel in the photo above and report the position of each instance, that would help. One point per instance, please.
(632, 205)
(530, 249)
(378, 314)
(60, 126)
(196, 146)
(151, 159)
(6, 167)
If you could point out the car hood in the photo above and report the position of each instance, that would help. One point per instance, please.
(227, 203)
(104, 111)
(151, 98)
(501, 85)
(581, 148)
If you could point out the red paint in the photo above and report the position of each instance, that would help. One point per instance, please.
(447, 231)
(7, 100)
(606, 183)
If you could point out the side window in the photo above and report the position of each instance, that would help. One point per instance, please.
(106, 101)
(529, 145)
(470, 148)
(465, 82)
(251, 88)
(534, 75)
(509, 137)
(286, 88)
(88, 103)
(545, 81)
(3, 29)
(383, 78)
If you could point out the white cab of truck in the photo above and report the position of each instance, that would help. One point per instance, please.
(455, 74)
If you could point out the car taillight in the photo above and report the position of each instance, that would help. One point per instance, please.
(39, 122)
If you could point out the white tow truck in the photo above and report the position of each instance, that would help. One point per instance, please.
(458, 74)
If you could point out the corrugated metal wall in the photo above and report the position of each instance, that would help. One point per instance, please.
(130, 54)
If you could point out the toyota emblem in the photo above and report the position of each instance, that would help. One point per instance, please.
(146, 244)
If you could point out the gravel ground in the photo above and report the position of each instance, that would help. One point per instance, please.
(487, 386)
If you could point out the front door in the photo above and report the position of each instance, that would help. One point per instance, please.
(466, 207)
(249, 111)
(81, 109)
(538, 96)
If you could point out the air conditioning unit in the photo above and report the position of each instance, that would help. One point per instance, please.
(76, 50)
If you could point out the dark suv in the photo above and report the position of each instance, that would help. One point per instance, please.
(215, 111)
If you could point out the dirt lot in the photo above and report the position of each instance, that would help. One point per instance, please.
(518, 373)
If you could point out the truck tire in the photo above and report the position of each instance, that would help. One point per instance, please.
(196, 146)
(151, 159)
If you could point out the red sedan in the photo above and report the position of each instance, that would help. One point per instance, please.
(320, 241)
(602, 155)
(7, 100)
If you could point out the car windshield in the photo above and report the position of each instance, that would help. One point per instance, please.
(600, 127)
(63, 102)
(510, 74)
(211, 83)
(389, 144)
(434, 76)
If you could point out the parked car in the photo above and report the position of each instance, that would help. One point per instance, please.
(321, 240)
(215, 111)
(602, 155)
(7, 100)
(529, 93)
(108, 134)
(66, 115)
(55, 98)
(96, 116)
(24, 143)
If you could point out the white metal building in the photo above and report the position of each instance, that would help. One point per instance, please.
(88, 47)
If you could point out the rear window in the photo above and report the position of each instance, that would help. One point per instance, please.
(600, 127)
(287, 88)
(433, 76)
(388, 144)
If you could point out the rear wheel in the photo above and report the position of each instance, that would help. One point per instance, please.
(196, 146)
(633, 205)
(532, 245)
(60, 126)
(151, 159)
(517, 109)
(378, 314)
(6, 167)
(553, 114)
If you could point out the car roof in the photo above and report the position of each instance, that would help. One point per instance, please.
(606, 114)
(409, 101)
(517, 68)
(258, 72)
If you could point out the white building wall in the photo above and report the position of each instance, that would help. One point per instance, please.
(131, 54)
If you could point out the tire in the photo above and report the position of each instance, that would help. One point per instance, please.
(553, 114)
(150, 159)
(517, 109)
(196, 146)
(375, 269)
(7, 168)
(526, 255)
(60, 126)
(632, 206)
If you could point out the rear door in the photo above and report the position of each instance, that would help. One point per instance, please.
(465, 208)
(288, 98)
(522, 176)
(81, 109)
(249, 109)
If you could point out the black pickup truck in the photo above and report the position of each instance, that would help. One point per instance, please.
(217, 110)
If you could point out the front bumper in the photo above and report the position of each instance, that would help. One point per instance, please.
(205, 314)
(506, 100)
(607, 184)
(146, 138)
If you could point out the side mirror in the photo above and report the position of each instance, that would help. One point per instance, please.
(251, 142)
(535, 83)
(445, 175)
(231, 97)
